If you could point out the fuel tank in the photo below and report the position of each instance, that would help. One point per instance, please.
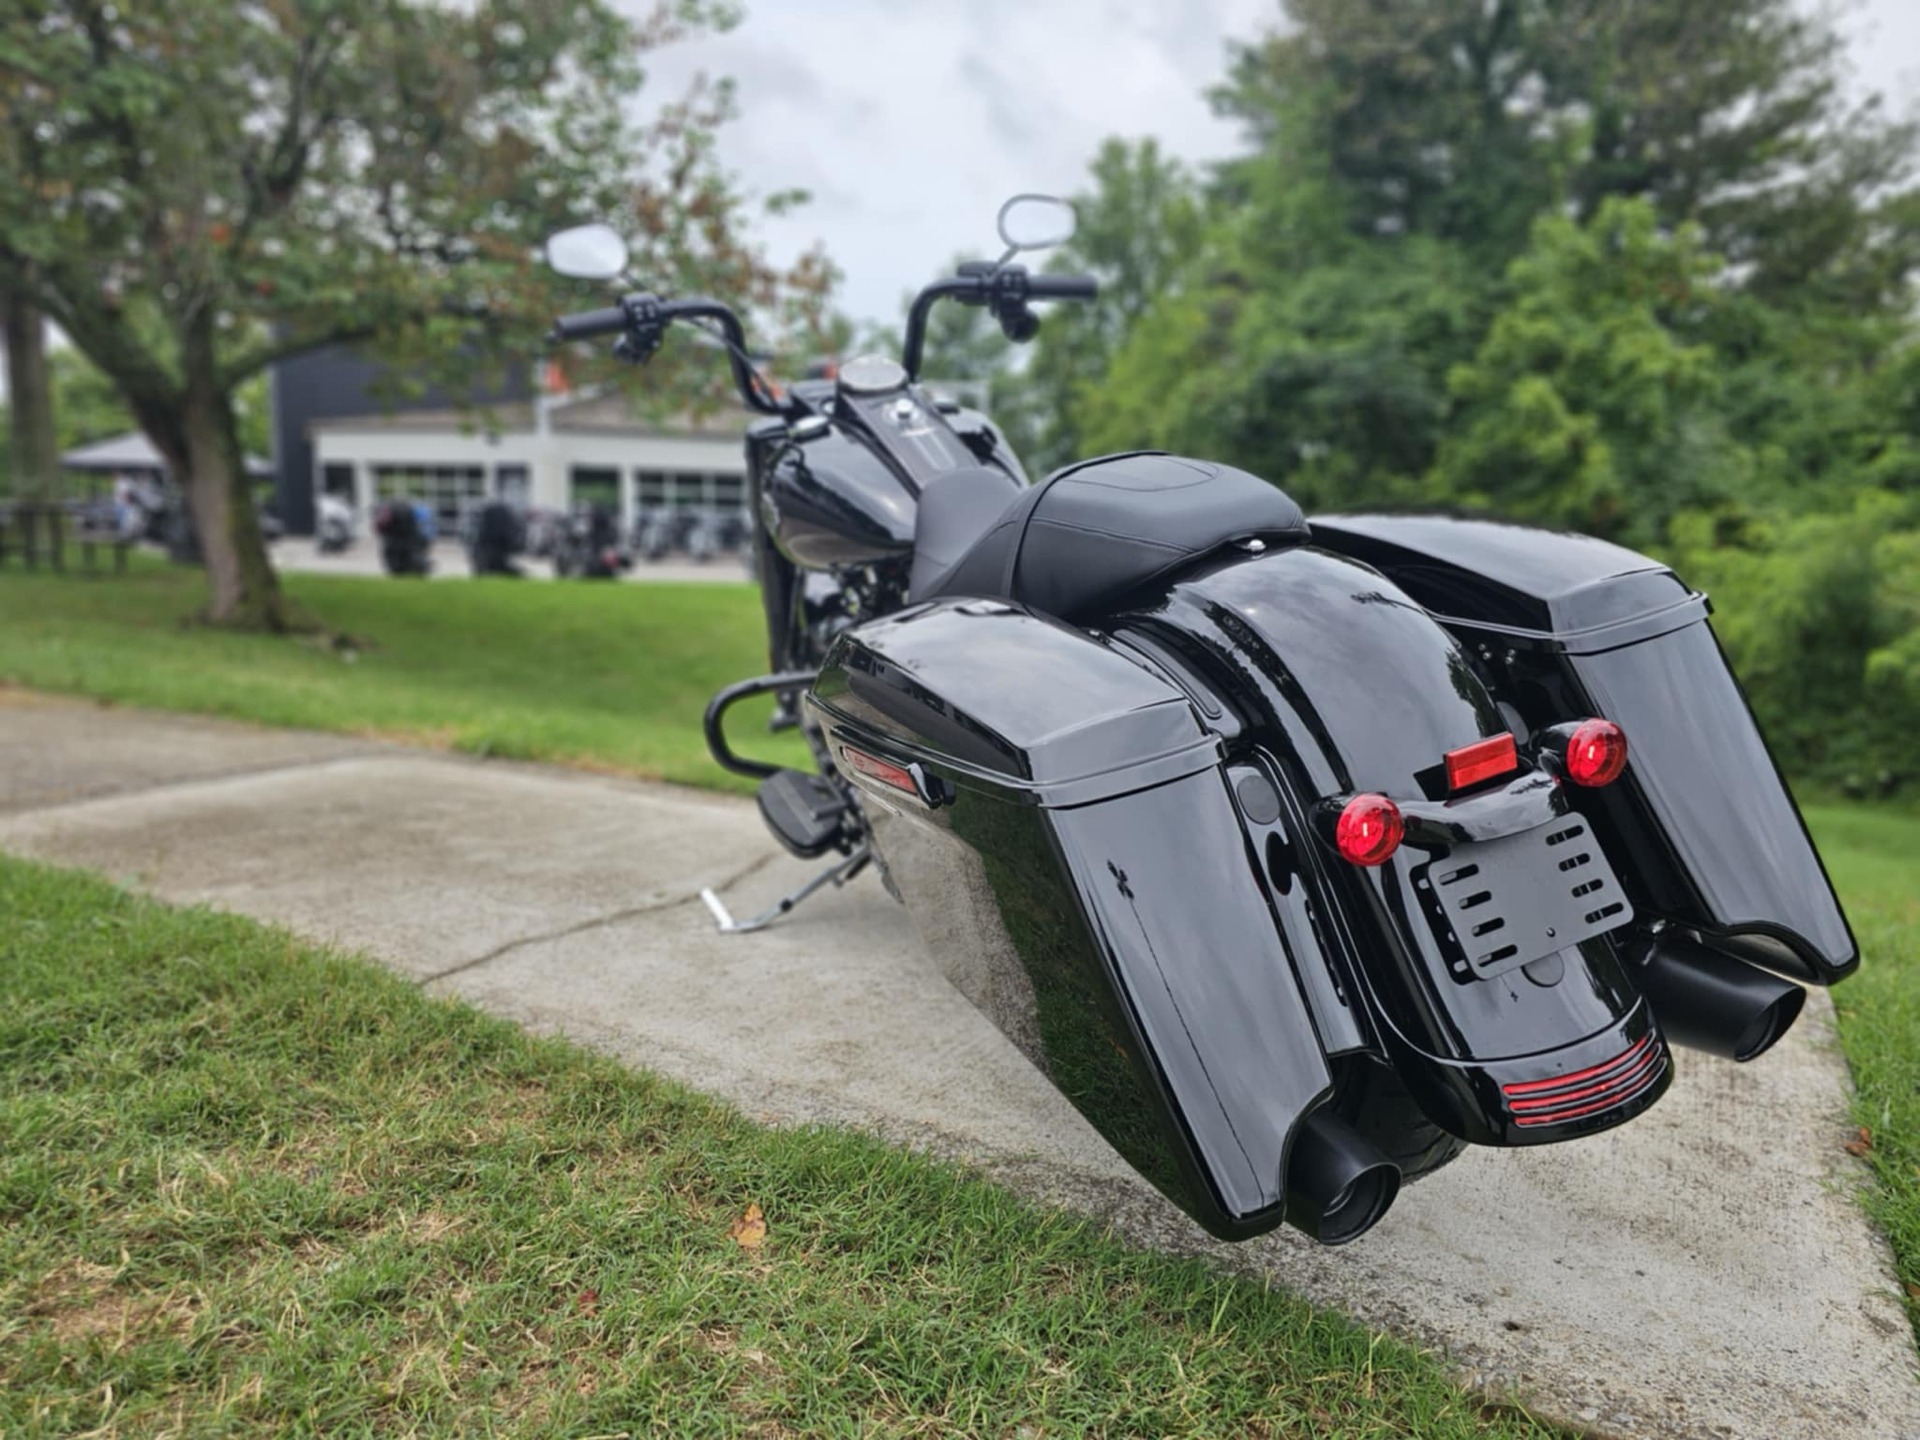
(828, 499)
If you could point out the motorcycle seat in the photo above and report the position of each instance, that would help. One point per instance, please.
(1089, 533)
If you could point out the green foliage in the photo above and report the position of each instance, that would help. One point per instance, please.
(1641, 270)
(1586, 404)
(1334, 387)
(1139, 229)
(1820, 614)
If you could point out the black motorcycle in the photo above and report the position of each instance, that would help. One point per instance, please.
(406, 543)
(1298, 856)
(588, 547)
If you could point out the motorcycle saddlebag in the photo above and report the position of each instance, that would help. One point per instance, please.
(1059, 823)
(1565, 626)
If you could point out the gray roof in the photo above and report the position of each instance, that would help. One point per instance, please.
(594, 412)
(133, 451)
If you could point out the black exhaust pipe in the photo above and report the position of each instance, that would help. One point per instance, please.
(1338, 1185)
(1713, 1002)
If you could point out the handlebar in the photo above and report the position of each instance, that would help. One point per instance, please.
(1004, 289)
(589, 323)
(645, 316)
(1062, 287)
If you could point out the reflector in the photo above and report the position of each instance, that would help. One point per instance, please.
(884, 771)
(1482, 760)
(1369, 829)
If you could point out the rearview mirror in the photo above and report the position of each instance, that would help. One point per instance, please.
(1035, 222)
(588, 252)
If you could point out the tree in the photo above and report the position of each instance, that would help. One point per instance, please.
(36, 461)
(1592, 403)
(1139, 227)
(1463, 119)
(193, 189)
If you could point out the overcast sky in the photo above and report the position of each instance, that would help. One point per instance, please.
(910, 120)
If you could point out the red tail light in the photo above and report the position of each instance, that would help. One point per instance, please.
(1596, 753)
(1369, 829)
(1482, 760)
(884, 771)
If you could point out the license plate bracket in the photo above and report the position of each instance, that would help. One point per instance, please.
(1500, 904)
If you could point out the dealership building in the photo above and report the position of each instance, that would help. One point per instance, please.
(332, 434)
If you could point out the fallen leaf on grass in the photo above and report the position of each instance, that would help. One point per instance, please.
(587, 1302)
(1913, 1290)
(749, 1232)
(1862, 1145)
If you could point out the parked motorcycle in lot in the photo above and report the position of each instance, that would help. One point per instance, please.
(589, 547)
(1299, 855)
(333, 524)
(406, 530)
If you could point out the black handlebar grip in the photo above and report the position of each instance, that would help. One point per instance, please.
(1062, 287)
(589, 323)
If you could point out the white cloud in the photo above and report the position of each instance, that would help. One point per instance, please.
(910, 123)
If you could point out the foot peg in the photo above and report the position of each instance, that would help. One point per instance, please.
(835, 875)
(803, 811)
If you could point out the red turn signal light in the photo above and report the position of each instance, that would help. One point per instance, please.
(1369, 829)
(1596, 753)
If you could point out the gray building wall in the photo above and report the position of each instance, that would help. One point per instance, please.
(333, 381)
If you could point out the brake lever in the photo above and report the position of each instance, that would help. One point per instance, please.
(640, 343)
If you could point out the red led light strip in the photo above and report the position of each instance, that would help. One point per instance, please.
(1560, 1082)
(1612, 1082)
(1653, 1073)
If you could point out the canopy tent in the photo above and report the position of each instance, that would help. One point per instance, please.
(133, 452)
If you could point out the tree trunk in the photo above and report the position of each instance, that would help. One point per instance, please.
(211, 465)
(36, 461)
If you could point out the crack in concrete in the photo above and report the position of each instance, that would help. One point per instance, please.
(596, 922)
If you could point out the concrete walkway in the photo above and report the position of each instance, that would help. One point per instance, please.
(1700, 1272)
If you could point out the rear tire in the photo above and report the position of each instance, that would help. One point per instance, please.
(1372, 1099)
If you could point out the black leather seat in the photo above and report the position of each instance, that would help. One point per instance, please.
(1088, 534)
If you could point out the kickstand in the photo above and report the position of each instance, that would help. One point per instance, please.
(836, 874)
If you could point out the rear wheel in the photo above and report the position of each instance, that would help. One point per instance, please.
(1370, 1097)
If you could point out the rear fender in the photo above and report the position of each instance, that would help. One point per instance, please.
(1702, 824)
(1342, 684)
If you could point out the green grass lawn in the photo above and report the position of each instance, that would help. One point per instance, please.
(610, 676)
(246, 1184)
(1874, 858)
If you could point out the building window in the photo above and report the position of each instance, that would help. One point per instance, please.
(449, 489)
(729, 492)
(688, 490)
(593, 486)
(510, 483)
(649, 490)
(337, 480)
